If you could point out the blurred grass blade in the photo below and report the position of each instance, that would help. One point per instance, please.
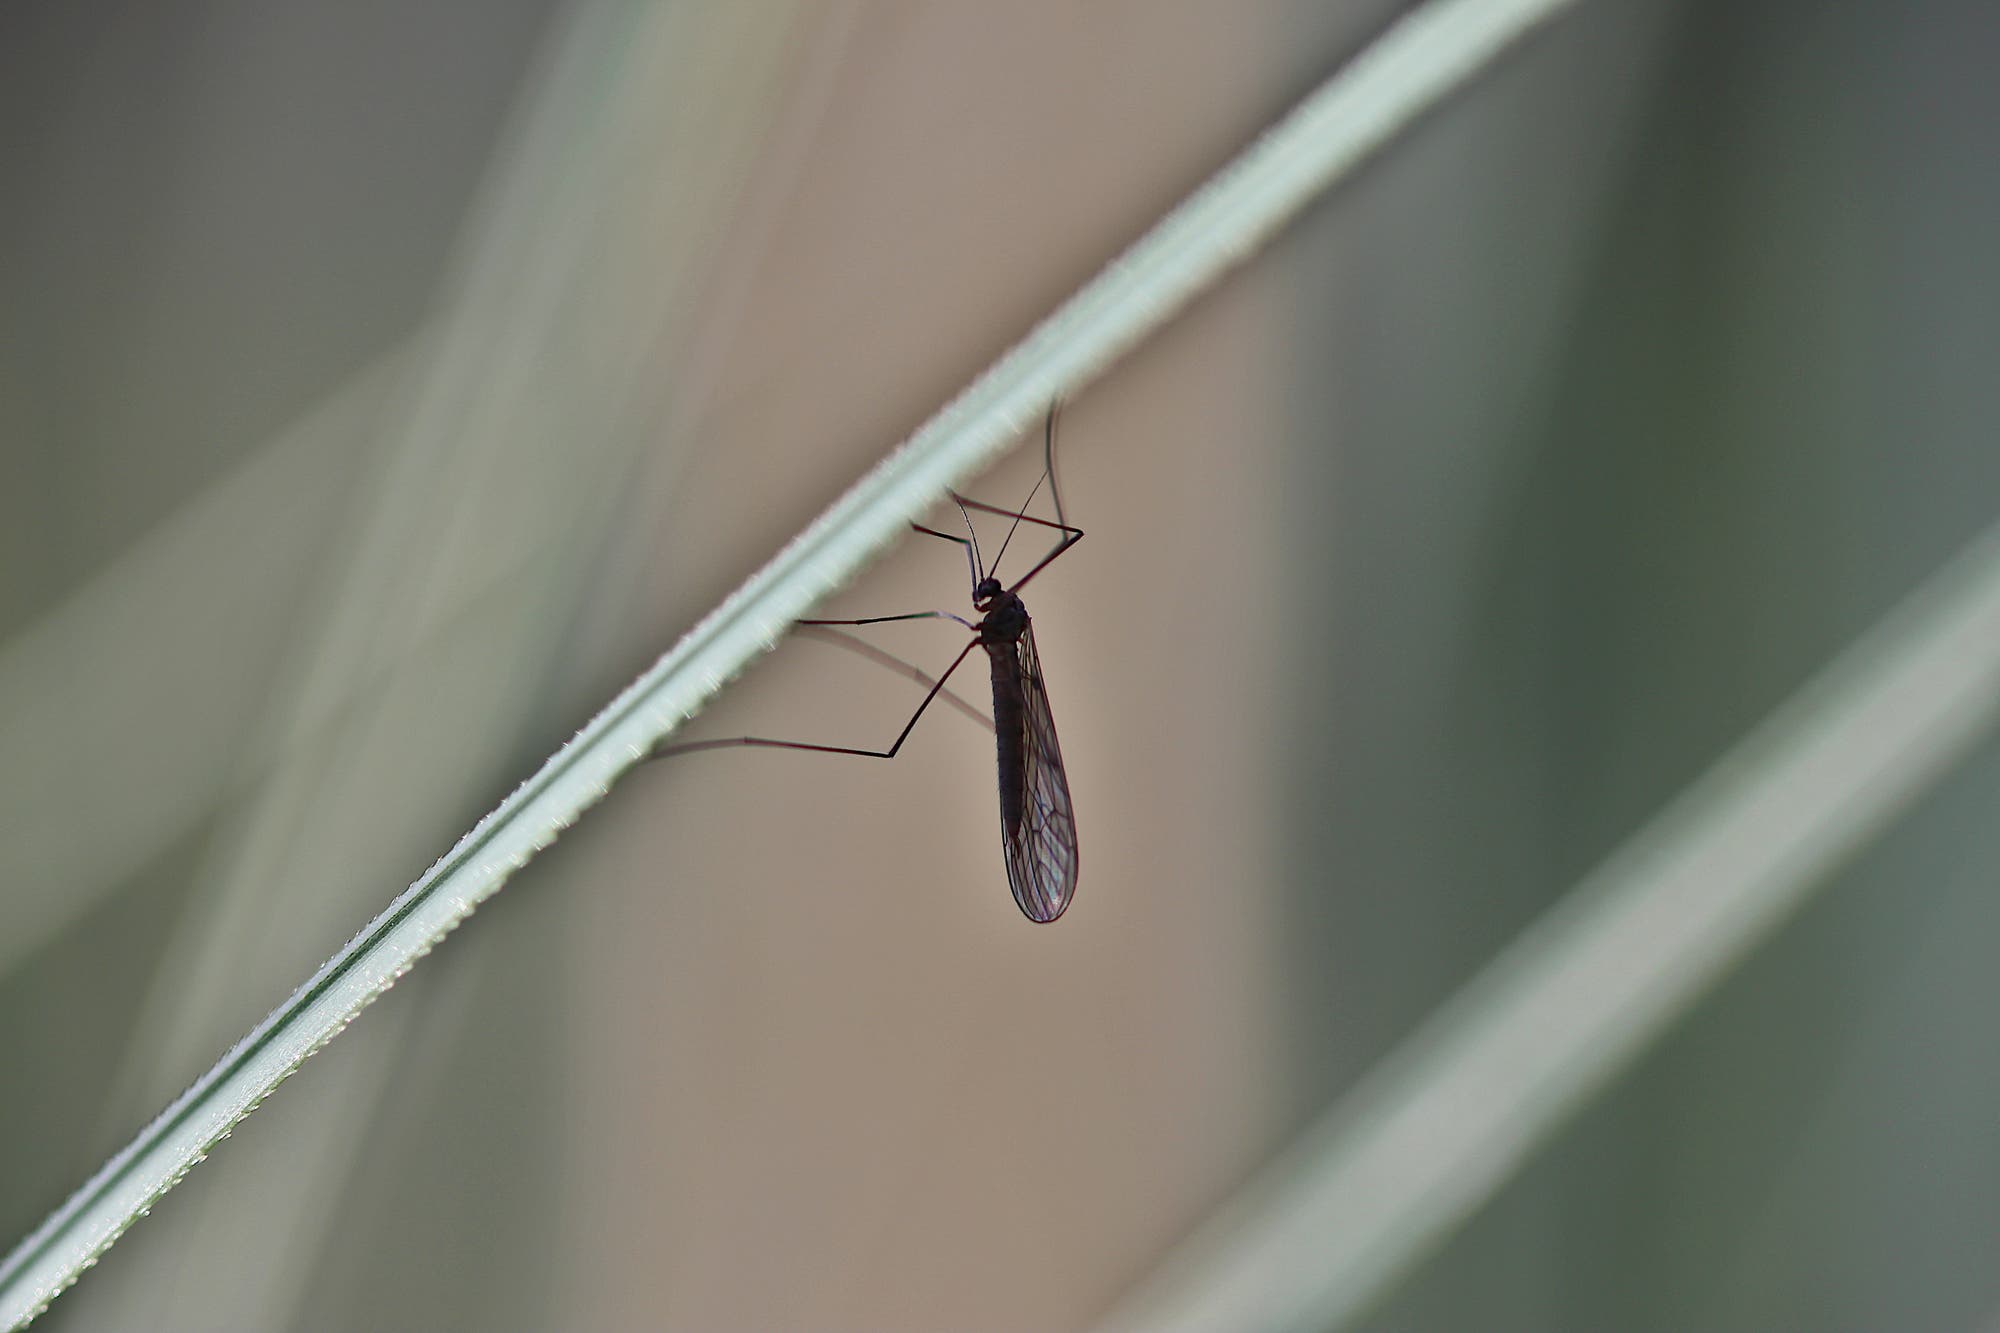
(1386, 1174)
(1418, 61)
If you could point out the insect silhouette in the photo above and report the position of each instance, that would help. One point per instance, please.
(1037, 821)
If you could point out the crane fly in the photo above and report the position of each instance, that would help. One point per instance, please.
(1037, 821)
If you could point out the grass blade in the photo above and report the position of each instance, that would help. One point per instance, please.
(1386, 1174)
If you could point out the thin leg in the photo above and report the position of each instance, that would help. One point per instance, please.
(768, 743)
(860, 647)
(883, 620)
(971, 548)
(983, 507)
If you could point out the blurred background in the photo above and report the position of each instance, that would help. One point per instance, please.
(382, 388)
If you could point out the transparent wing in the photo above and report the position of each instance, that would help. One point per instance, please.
(1041, 847)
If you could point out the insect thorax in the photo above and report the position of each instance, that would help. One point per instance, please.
(1005, 622)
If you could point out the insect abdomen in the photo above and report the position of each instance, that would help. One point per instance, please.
(1010, 731)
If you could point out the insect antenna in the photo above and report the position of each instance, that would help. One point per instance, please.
(978, 561)
(1049, 463)
(1048, 475)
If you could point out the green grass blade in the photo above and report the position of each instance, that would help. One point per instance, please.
(1389, 1171)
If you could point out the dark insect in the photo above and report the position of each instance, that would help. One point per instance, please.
(1037, 823)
